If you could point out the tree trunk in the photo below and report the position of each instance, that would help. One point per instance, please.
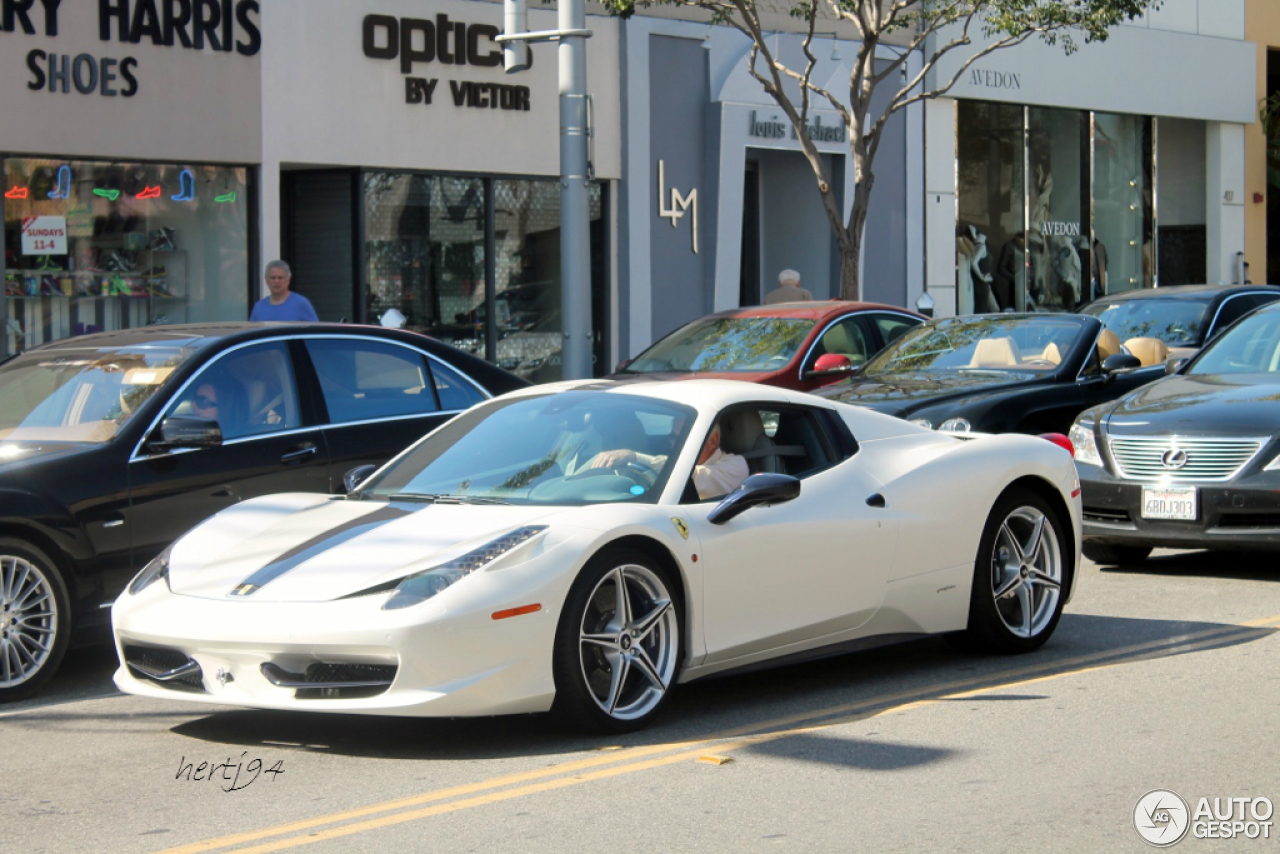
(850, 255)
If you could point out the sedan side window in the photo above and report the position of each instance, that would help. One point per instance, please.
(844, 338)
(365, 380)
(452, 388)
(893, 327)
(248, 391)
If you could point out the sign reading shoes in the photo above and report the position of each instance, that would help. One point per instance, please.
(216, 25)
(447, 42)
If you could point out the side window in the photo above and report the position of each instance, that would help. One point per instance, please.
(782, 440)
(892, 327)
(455, 392)
(1234, 308)
(845, 338)
(365, 379)
(247, 391)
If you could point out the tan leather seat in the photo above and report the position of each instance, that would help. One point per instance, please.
(1150, 351)
(1108, 344)
(1052, 354)
(995, 353)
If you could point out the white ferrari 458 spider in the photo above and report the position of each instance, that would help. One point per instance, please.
(585, 547)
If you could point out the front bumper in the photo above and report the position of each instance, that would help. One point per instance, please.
(1243, 513)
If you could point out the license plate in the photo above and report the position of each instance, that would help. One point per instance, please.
(1169, 502)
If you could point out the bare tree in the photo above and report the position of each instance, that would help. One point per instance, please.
(930, 29)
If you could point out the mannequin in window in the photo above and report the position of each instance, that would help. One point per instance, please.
(1010, 271)
(1065, 264)
(973, 279)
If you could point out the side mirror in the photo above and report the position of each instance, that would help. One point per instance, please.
(1120, 362)
(181, 431)
(353, 478)
(1174, 363)
(830, 365)
(759, 490)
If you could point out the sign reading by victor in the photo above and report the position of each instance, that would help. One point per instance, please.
(448, 42)
(215, 25)
(44, 235)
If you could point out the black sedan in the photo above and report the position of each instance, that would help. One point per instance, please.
(1191, 461)
(112, 445)
(997, 373)
(1176, 321)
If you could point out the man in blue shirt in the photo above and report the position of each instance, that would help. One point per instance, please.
(281, 304)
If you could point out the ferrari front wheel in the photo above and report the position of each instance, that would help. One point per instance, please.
(617, 647)
(1020, 576)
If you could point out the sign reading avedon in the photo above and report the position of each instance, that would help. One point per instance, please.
(216, 25)
(450, 43)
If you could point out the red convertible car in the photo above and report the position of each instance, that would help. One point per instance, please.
(798, 345)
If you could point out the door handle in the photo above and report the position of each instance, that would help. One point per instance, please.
(299, 455)
(875, 500)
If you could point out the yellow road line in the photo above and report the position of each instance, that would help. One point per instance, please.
(632, 760)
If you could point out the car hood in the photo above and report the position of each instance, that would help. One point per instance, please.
(920, 388)
(1217, 405)
(15, 455)
(664, 376)
(316, 548)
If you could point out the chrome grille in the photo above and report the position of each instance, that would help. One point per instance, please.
(1143, 457)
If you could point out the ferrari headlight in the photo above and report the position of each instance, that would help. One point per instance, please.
(955, 425)
(922, 422)
(158, 568)
(1083, 441)
(421, 586)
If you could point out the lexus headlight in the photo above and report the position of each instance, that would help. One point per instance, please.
(421, 586)
(1082, 440)
(955, 425)
(157, 569)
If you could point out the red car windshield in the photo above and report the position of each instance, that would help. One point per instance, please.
(726, 344)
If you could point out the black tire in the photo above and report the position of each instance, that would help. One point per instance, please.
(1110, 555)
(1017, 597)
(593, 642)
(35, 619)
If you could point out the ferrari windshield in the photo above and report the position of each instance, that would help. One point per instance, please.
(982, 342)
(1251, 346)
(726, 344)
(1176, 322)
(80, 395)
(571, 448)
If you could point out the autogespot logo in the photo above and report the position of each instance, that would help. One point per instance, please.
(1161, 818)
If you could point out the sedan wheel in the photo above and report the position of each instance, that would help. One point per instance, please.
(1020, 576)
(34, 619)
(618, 644)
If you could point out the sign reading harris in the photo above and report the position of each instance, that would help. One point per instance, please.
(448, 42)
(215, 25)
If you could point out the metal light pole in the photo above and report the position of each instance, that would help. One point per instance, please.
(575, 213)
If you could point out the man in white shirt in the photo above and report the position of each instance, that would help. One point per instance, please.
(716, 473)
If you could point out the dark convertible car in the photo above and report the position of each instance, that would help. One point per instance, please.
(997, 373)
(114, 444)
(1191, 461)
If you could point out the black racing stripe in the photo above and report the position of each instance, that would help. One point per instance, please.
(303, 552)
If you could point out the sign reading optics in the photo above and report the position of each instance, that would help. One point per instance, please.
(418, 40)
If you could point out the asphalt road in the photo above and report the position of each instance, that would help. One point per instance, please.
(1160, 677)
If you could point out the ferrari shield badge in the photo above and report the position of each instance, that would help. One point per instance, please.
(680, 526)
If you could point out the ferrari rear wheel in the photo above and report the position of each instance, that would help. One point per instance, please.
(1109, 555)
(1020, 577)
(618, 644)
(35, 620)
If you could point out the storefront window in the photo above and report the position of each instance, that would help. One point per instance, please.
(1055, 206)
(94, 246)
(425, 258)
(991, 234)
(1122, 203)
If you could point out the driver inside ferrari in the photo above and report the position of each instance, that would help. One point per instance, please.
(716, 472)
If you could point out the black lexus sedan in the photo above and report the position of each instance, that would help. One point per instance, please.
(114, 444)
(997, 373)
(1191, 461)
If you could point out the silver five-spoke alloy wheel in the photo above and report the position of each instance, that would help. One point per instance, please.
(1026, 572)
(628, 642)
(28, 620)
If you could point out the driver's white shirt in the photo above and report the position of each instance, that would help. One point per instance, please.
(720, 474)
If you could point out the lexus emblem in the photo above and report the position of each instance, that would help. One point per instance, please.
(1174, 458)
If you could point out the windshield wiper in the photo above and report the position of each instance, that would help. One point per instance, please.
(438, 498)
